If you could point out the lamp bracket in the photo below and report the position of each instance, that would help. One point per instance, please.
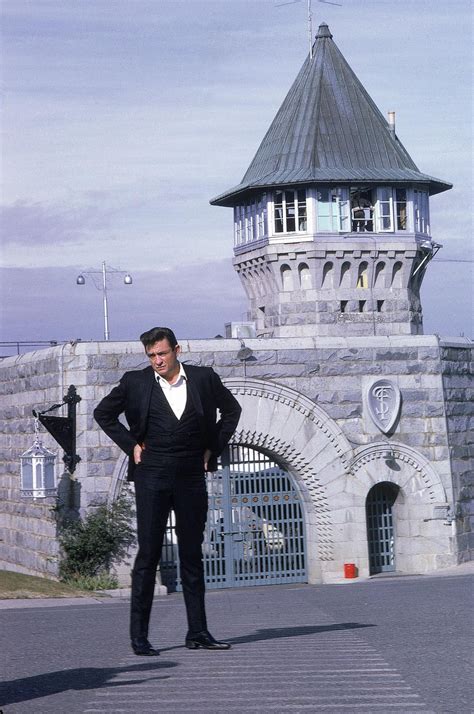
(63, 429)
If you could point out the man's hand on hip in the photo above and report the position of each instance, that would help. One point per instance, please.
(207, 456)
(137, 453)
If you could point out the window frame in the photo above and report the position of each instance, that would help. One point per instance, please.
(251, 221)
(293, 212)
(421, 211)
(381, 215)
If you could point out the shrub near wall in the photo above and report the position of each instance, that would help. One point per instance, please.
(92, 545)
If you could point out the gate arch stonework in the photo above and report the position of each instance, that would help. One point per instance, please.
(297, 432)
(420, 542)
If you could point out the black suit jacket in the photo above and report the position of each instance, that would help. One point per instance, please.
(132, 397)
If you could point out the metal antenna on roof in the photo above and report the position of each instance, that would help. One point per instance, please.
(309, 16)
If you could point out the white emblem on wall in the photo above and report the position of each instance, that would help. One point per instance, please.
(384, 400)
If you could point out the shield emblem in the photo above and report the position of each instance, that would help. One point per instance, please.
(384, 401)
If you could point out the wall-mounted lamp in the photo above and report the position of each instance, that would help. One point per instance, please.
(244, 353)
(389, 456)
(37, 470)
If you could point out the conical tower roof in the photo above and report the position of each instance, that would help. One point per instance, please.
(328, 129)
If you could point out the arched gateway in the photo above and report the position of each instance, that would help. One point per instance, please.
(380, 530)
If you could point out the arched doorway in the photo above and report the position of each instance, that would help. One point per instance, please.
(380, 530)
(255, 526)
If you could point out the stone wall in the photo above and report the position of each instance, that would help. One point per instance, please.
(28, 533)
(305, 288)
(458, 382)
(331, 373)
(27, 526)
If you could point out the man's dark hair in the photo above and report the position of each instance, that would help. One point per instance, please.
(156, 334)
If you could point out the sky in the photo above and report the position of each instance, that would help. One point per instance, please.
(123, 118)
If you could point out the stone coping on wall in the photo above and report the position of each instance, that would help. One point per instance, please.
(228, 345)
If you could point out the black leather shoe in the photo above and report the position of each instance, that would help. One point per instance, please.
(142, 647)
(206, 641)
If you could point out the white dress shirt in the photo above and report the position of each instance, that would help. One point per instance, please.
(175, 393)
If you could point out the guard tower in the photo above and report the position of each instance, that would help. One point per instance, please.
(332, 229)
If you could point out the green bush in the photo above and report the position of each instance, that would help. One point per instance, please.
(91, 545)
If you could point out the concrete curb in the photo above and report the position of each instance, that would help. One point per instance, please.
(105, 596)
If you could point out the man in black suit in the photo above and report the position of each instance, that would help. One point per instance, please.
(172, 438)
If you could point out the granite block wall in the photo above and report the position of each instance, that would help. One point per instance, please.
(27, 526)
(458, 386)
(333, 373)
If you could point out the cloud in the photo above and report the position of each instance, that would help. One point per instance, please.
(37, 224)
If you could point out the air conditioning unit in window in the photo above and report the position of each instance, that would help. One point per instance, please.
(240, 330)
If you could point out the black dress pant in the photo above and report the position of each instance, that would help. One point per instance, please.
(177, 484)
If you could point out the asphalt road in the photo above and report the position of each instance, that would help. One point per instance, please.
(394, 644)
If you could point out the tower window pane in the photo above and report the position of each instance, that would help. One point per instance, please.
(290, 211)
(250, 221)
(421, 212)
(333, 210)
(302, 215)
(401, 208)
(385, 209)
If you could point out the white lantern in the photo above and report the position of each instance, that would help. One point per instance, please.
(37, 470)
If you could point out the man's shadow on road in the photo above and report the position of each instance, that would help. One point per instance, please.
(275, 633)
(80, 679)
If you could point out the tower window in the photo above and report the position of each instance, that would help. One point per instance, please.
(333, 210)
(250, 221)
(385, 209)
(401, 208)
(362, 210)
(362, 305)
(379, 305)
(344, 305)
(422, 220)
(290, 211)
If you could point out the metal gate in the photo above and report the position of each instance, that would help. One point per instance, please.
(255, 529)
(380, 532)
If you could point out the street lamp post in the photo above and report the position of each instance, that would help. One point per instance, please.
(80, 280)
